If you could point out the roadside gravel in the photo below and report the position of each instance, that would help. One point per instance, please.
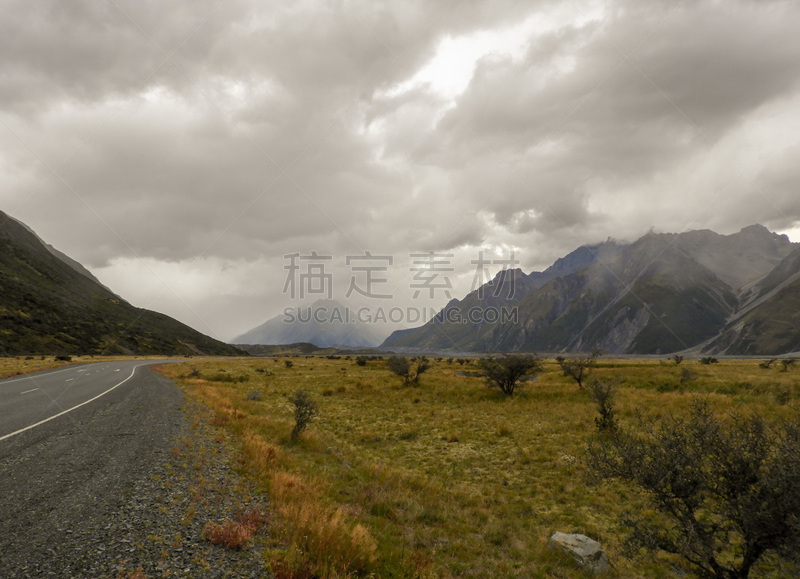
(122, 487)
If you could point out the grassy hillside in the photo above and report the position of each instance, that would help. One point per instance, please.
(47, 306)
(451, 478)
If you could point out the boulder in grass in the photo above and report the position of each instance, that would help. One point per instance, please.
(587, 552)
(254, 395)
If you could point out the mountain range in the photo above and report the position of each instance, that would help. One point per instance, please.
(697, 291)
(51, 304)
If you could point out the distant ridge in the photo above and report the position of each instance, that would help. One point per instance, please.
(726, 294)
(281, 349)
(325, 323)
(50, 304)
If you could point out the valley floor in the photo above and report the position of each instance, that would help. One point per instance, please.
(451, 478)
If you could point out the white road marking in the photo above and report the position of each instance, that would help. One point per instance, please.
(69, 379)
(21, 430)
(27, 391)
(33, 377)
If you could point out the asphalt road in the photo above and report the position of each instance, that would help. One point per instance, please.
(29, 401)
(76, 443)
(102, 474)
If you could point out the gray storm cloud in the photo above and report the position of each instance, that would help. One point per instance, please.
(199, 133)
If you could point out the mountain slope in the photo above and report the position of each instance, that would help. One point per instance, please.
(324, 324)
(738, 259)
(52, 305)
(503, 293)
(650, 298)
(60, 255)
(769, 324)
(663, 293)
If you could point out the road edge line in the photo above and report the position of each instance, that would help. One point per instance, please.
(21, 430)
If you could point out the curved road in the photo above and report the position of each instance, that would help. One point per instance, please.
(29, 401)
(75, 445)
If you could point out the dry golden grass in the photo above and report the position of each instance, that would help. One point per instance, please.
(236, 533)
(137, 574)
(449, 478)
(26, 364)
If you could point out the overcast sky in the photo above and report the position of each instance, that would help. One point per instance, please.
(180, 149)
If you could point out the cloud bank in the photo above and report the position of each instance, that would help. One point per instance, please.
(181, 149)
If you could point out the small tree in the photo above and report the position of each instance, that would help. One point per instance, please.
(602, 394)
(726, 493)
(506, 371)
(305, 410)
(786, 363)
(709, 360)
(578, 367)
(678, 359)
(408, 371)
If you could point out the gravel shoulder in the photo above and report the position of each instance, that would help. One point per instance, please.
(122, 487)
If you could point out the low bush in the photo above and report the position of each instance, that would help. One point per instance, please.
(506, 372)
(236, 533)
(409, 371)
(305, 410)
(725, 492)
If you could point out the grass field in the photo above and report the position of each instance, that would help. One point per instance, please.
(14, 366)
(450, 478)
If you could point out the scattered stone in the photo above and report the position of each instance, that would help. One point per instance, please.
(587, 552)
(254, 395)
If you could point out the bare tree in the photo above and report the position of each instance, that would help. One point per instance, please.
(725, 492)
(578, 367)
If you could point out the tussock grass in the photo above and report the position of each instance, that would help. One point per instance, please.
(450, 478)
(15, 366)
(236, 533)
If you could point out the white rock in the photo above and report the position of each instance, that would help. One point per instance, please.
(587, 552)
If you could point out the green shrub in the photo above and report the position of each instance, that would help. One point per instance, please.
(505, 372)
(602, 394)
(725, 492)
(408, 371)
(305, 410)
